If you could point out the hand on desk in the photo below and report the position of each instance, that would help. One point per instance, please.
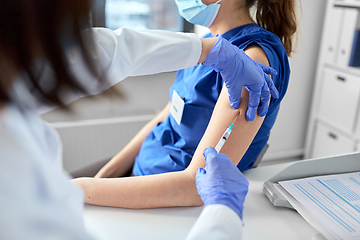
(221, 182)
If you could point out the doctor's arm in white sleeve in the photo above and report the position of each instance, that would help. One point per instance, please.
(222, 188)
(124, 52)
(130, 53)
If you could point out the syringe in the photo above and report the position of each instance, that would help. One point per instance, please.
(224, 137)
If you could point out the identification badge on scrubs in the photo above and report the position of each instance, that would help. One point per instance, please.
(177, 107)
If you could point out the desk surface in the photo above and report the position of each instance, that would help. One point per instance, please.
(262, 220)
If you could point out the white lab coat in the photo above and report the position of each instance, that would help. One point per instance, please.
(217, 222)
(37, 200)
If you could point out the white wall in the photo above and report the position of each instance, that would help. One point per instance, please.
(141, 94)
(288, 135)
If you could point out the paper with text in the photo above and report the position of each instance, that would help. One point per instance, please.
(334, 200)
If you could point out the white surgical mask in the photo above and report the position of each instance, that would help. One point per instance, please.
(196, 12)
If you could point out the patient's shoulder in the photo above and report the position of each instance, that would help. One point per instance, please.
(257, 54)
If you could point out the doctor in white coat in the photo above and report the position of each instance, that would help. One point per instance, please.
(49, 59)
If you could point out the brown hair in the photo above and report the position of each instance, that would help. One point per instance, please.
(278, 17)
(43, 29)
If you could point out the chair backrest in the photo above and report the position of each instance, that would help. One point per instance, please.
(261, 155)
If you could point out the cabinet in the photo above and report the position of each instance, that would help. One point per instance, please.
(339, 99)
(334, 122)
(329, 142)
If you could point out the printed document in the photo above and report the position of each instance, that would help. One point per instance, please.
(333, 200)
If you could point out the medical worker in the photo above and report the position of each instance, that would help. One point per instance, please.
(49, 58)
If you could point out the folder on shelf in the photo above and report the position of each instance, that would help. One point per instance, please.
(332, 34)
(349, 25)
(305, 169)
(355, 51)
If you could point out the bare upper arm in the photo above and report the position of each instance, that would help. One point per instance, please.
(257, 54)
(223, 116)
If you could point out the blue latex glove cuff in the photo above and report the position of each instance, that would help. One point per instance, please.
(220, 56)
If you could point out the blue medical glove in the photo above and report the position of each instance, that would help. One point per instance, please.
(221, 182)
(238, 70)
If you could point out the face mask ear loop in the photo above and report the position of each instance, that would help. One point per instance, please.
(217, 2)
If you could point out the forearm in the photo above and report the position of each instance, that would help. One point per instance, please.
(122, 162)
(153, 191)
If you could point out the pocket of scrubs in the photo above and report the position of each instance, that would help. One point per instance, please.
(177, 107)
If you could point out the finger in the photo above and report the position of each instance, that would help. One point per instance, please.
(235, 102)
(200, 172)
(210, 158)
(274, 92)
(250, 114)
(254, 100)
(264, 101)
(267, 69)
(234, 90)
(263, 108)
(209, 151)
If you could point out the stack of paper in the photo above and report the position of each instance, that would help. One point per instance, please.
(330, 203)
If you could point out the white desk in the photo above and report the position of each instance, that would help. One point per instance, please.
(262, 220)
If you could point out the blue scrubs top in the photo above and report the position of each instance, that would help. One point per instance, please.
(169, 147)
